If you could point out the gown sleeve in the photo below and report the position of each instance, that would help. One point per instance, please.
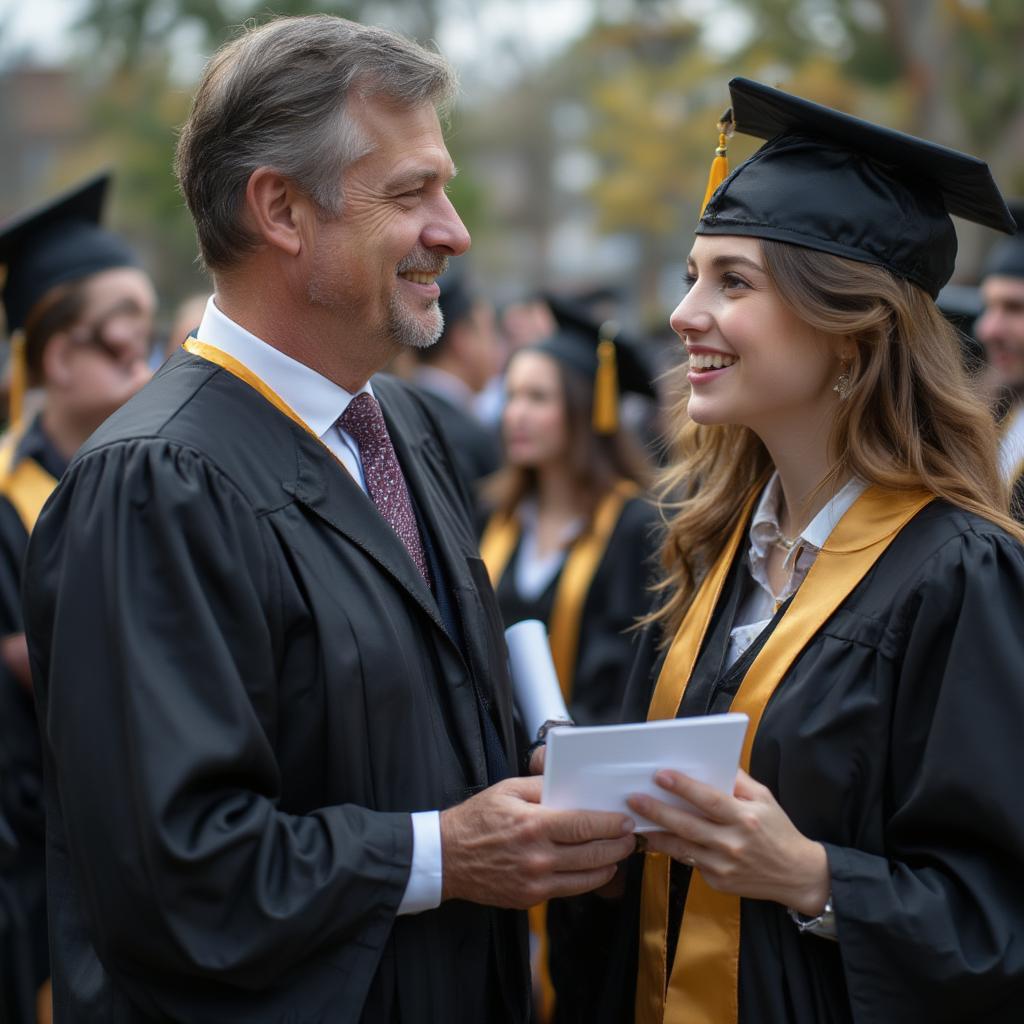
(930, 929)
(153, 629)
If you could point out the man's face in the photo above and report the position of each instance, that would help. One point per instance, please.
(375, 264)
(1001, 330)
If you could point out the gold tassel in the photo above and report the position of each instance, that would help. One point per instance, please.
(720, 165)
(19, 380)
(605, 417)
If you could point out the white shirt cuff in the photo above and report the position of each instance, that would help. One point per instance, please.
(423, 890)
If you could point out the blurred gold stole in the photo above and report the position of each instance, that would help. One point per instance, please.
(703, 987)
(25, 484)
(499, 541)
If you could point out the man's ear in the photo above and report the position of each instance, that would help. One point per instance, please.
(276, 209)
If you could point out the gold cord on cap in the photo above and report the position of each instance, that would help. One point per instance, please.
(720, 165)
(605, 417)
(19, 379)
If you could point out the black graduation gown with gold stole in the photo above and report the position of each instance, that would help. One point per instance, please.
(893, 737)
(591, 604)
(589, 607)
(245, 688)
(31, 468)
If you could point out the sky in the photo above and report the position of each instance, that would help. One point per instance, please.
(470, 38)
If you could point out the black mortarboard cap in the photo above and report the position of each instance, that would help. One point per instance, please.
(1007, 258)
(600, 352)
(58, 242)
(835, 183)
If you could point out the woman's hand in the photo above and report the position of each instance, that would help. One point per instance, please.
(744, 844)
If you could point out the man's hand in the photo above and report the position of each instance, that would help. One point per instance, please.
(502, 849)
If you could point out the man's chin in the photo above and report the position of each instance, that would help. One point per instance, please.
(418, 333)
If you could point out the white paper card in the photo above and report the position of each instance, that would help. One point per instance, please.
(534, 681)
(596, 768)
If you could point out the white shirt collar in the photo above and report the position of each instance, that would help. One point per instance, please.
(764, 527)
(315, 399)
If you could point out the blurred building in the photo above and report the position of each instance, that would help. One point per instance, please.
(42, 120)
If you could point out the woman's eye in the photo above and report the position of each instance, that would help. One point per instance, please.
(734, 281)
(689, 280)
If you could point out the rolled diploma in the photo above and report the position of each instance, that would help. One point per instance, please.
(534, 680)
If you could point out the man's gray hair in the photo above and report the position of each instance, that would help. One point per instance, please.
(275, 97)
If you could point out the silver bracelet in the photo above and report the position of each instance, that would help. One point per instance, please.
(824, 925)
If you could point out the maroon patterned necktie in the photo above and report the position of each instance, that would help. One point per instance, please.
(384, 479)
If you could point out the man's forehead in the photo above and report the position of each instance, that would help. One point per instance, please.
(1003, 288)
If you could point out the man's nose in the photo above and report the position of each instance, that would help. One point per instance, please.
(446, 230)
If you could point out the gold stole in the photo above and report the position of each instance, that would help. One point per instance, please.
(243, 373)
(499, 541)
(25, 485)
(703, 987)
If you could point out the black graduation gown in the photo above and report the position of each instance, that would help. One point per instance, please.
(245, 687)
(894, 739)
(22, 871)
(618, 595)
(474, 446)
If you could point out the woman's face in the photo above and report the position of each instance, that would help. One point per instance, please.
(753, 361)
(104, 358)
(533, 423)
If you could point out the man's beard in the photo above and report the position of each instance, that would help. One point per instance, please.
(403, 327)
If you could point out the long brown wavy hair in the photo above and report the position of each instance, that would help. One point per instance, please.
(595, 462)
(912, 419)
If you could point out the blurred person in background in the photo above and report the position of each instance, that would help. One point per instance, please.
(187, 317)
(569, 541)
(81, 315)
(1001, 330)
(451, 374)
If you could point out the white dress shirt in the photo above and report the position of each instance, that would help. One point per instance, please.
(319, 403)
(761, 602)
(534, 571)
(1011, 444)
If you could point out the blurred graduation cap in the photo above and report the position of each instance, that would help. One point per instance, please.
(961, 305)
(835, 183)
(600, 352)
(1007, 258)
(457, 298)
(53, 244)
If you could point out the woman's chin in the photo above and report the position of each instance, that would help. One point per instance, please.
(707, 414)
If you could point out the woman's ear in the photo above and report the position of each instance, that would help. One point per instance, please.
(276, 209)
(56, 360)
(847, 350)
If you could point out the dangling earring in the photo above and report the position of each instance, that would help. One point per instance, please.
(843, 384)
